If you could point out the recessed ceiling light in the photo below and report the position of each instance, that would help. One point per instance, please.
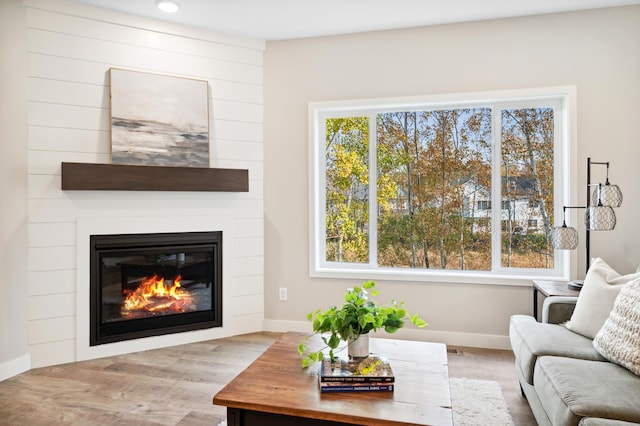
(167, 6)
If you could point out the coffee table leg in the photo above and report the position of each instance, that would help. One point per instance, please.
(535, 303)
(234, 417)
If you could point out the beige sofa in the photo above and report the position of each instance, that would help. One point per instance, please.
(564, 378)
(581, 365)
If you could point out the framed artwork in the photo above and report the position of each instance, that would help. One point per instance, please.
(158, 120)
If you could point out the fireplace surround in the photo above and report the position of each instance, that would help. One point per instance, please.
(153, 284)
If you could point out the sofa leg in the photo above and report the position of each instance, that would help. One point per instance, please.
(522, 392)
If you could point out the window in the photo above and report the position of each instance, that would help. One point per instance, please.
(484, 205)
(407, 188)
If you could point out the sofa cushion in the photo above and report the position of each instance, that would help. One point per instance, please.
(531, 339)
(590, 421)
(619, 338)
(570, 389)
(601, 287)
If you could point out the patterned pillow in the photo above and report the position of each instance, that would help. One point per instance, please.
(619, 338)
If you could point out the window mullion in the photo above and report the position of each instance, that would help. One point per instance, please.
(496, 188)
(373, 184)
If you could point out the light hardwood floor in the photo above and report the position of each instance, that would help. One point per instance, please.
(175, 386)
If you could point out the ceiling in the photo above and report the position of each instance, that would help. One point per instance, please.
(290, 19)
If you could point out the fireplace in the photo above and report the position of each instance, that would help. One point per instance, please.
(152, 284)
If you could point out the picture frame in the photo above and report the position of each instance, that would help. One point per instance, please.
(158, 120)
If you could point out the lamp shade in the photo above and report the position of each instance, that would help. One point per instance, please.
(600, 218)
(564, 238)
(607, 195)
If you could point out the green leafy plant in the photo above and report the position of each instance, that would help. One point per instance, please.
(359, 315)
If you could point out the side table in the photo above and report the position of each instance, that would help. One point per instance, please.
(550, 288)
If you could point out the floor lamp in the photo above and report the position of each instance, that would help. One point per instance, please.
(599, 216)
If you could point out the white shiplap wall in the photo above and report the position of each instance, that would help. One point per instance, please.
(70, 49)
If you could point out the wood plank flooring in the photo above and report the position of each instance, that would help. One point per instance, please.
(175, 386)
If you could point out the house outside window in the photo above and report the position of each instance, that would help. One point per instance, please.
(407, 189)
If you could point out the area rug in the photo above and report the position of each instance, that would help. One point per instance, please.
(478, 402)
(475, 403)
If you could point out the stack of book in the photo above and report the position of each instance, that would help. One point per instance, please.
(371, 374)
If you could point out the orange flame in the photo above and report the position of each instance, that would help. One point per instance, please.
(153, 296)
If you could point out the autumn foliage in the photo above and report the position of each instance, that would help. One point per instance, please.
(433, 183)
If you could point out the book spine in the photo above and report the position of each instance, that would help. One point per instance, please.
(360, 388)
(352, 379)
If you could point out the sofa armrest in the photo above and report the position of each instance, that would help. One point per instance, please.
(558, 309)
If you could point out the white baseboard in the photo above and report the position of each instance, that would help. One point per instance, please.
(15, 366)
(488, 341)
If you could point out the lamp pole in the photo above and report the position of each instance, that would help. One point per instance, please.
(587, 230)
(587, 242)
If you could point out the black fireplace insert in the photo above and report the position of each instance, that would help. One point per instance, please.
(152, 284)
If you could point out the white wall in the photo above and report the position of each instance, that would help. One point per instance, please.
(70, 50)
(14, 356)
(596, 51)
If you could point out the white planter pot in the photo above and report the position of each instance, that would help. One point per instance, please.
(359, 347)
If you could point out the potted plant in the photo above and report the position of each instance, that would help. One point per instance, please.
(352, 322)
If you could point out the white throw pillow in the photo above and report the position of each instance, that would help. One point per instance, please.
(599, 291)
(619, 338)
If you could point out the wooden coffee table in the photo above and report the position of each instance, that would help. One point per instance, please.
(275, 390)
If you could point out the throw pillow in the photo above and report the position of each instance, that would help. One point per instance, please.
(619, 338)
(599, 291)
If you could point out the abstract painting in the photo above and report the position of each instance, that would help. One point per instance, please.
(158, 120)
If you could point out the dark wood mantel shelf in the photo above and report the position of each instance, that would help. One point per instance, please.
(117, 177)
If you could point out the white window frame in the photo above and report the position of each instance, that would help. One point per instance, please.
(563, 99)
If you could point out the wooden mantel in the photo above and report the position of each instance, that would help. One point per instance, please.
(117, 177)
